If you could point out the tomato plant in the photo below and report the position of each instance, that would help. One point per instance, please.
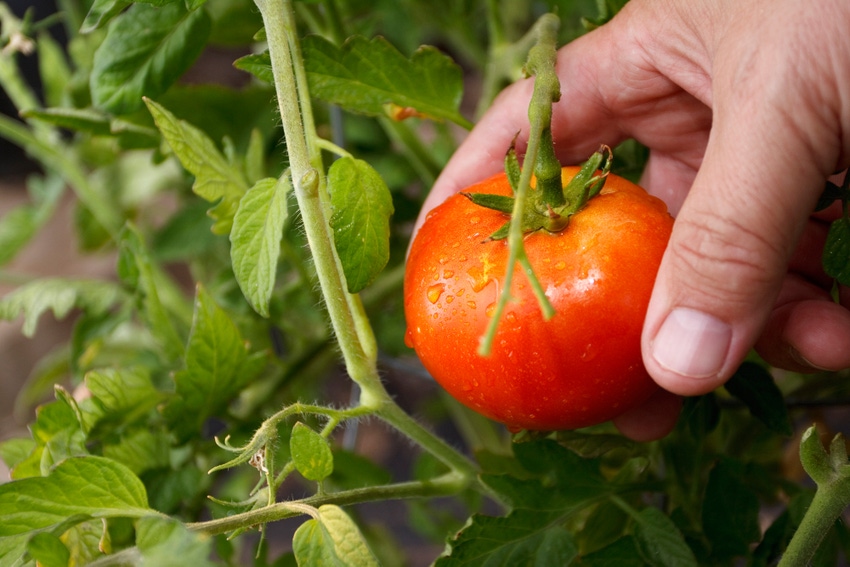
(237, 183)
(581, 367)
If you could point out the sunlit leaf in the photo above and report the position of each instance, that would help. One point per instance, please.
(311, 453)
(110, 490)
(255, 240)
(362, 207)
(59, 296)
(216, 180)
(167, 543)
(332, 539)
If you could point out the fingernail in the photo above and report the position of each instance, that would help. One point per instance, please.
(692, 343)
(803, 361)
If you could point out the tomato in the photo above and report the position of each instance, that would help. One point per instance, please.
(581, 367)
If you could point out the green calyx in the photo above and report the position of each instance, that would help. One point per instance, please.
(550, 205)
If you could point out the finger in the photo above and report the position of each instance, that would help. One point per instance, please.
(763, 170)
(653, 419)
(806, 331)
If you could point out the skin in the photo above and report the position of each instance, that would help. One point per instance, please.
(745, 106)
(579, 368)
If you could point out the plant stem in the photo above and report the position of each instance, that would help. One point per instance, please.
(831, 472)
(825, 509)
(348, 319)
(444, 485)
(392, 414)
(309, 186)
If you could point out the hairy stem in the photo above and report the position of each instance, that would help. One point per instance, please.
(445, 485)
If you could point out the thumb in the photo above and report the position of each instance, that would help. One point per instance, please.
(729, 249)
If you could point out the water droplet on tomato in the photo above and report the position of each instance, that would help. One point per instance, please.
(466, 387)
(470, 304)
(474, 220)
(448, 274)
(435, 291)
(511, 316)
(461, 291)
(490, 310)
(561, 265)
(450, 298)
(462, 257)
(589, 353)
(408, 338)
(478, 277)
(443, 259)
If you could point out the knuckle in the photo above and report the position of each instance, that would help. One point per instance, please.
(720, 259)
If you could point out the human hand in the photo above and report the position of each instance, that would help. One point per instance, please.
(744, 107)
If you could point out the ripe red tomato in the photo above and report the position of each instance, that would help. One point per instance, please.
(581, 367)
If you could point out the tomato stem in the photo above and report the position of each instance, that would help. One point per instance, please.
(831, 473)
(350, 324)
(546, 91)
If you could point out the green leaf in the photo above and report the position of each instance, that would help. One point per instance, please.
(730, 511)
(218, 365)
(331, 539)
(53, 70)
(753, 385)
(372, 77)
(57, 434)
(101, 12)
(836, 251)
(255, 240)
(59, 296)
(216, 180)
(87, 486)
(660, 541)
(622, 553)
(138, 271)
(18, 226)
(565, 484)
(87, 541)
(140, 450)
(605, 525)
(12, 549)
(125, 392)
(87, 120)
(145, 51)
(362, 207)
(525, 537)
(591, 445)
(167, 543)
(258, 64)
(124, 395)
(13, 451)
(48, 550)
(311, 453)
